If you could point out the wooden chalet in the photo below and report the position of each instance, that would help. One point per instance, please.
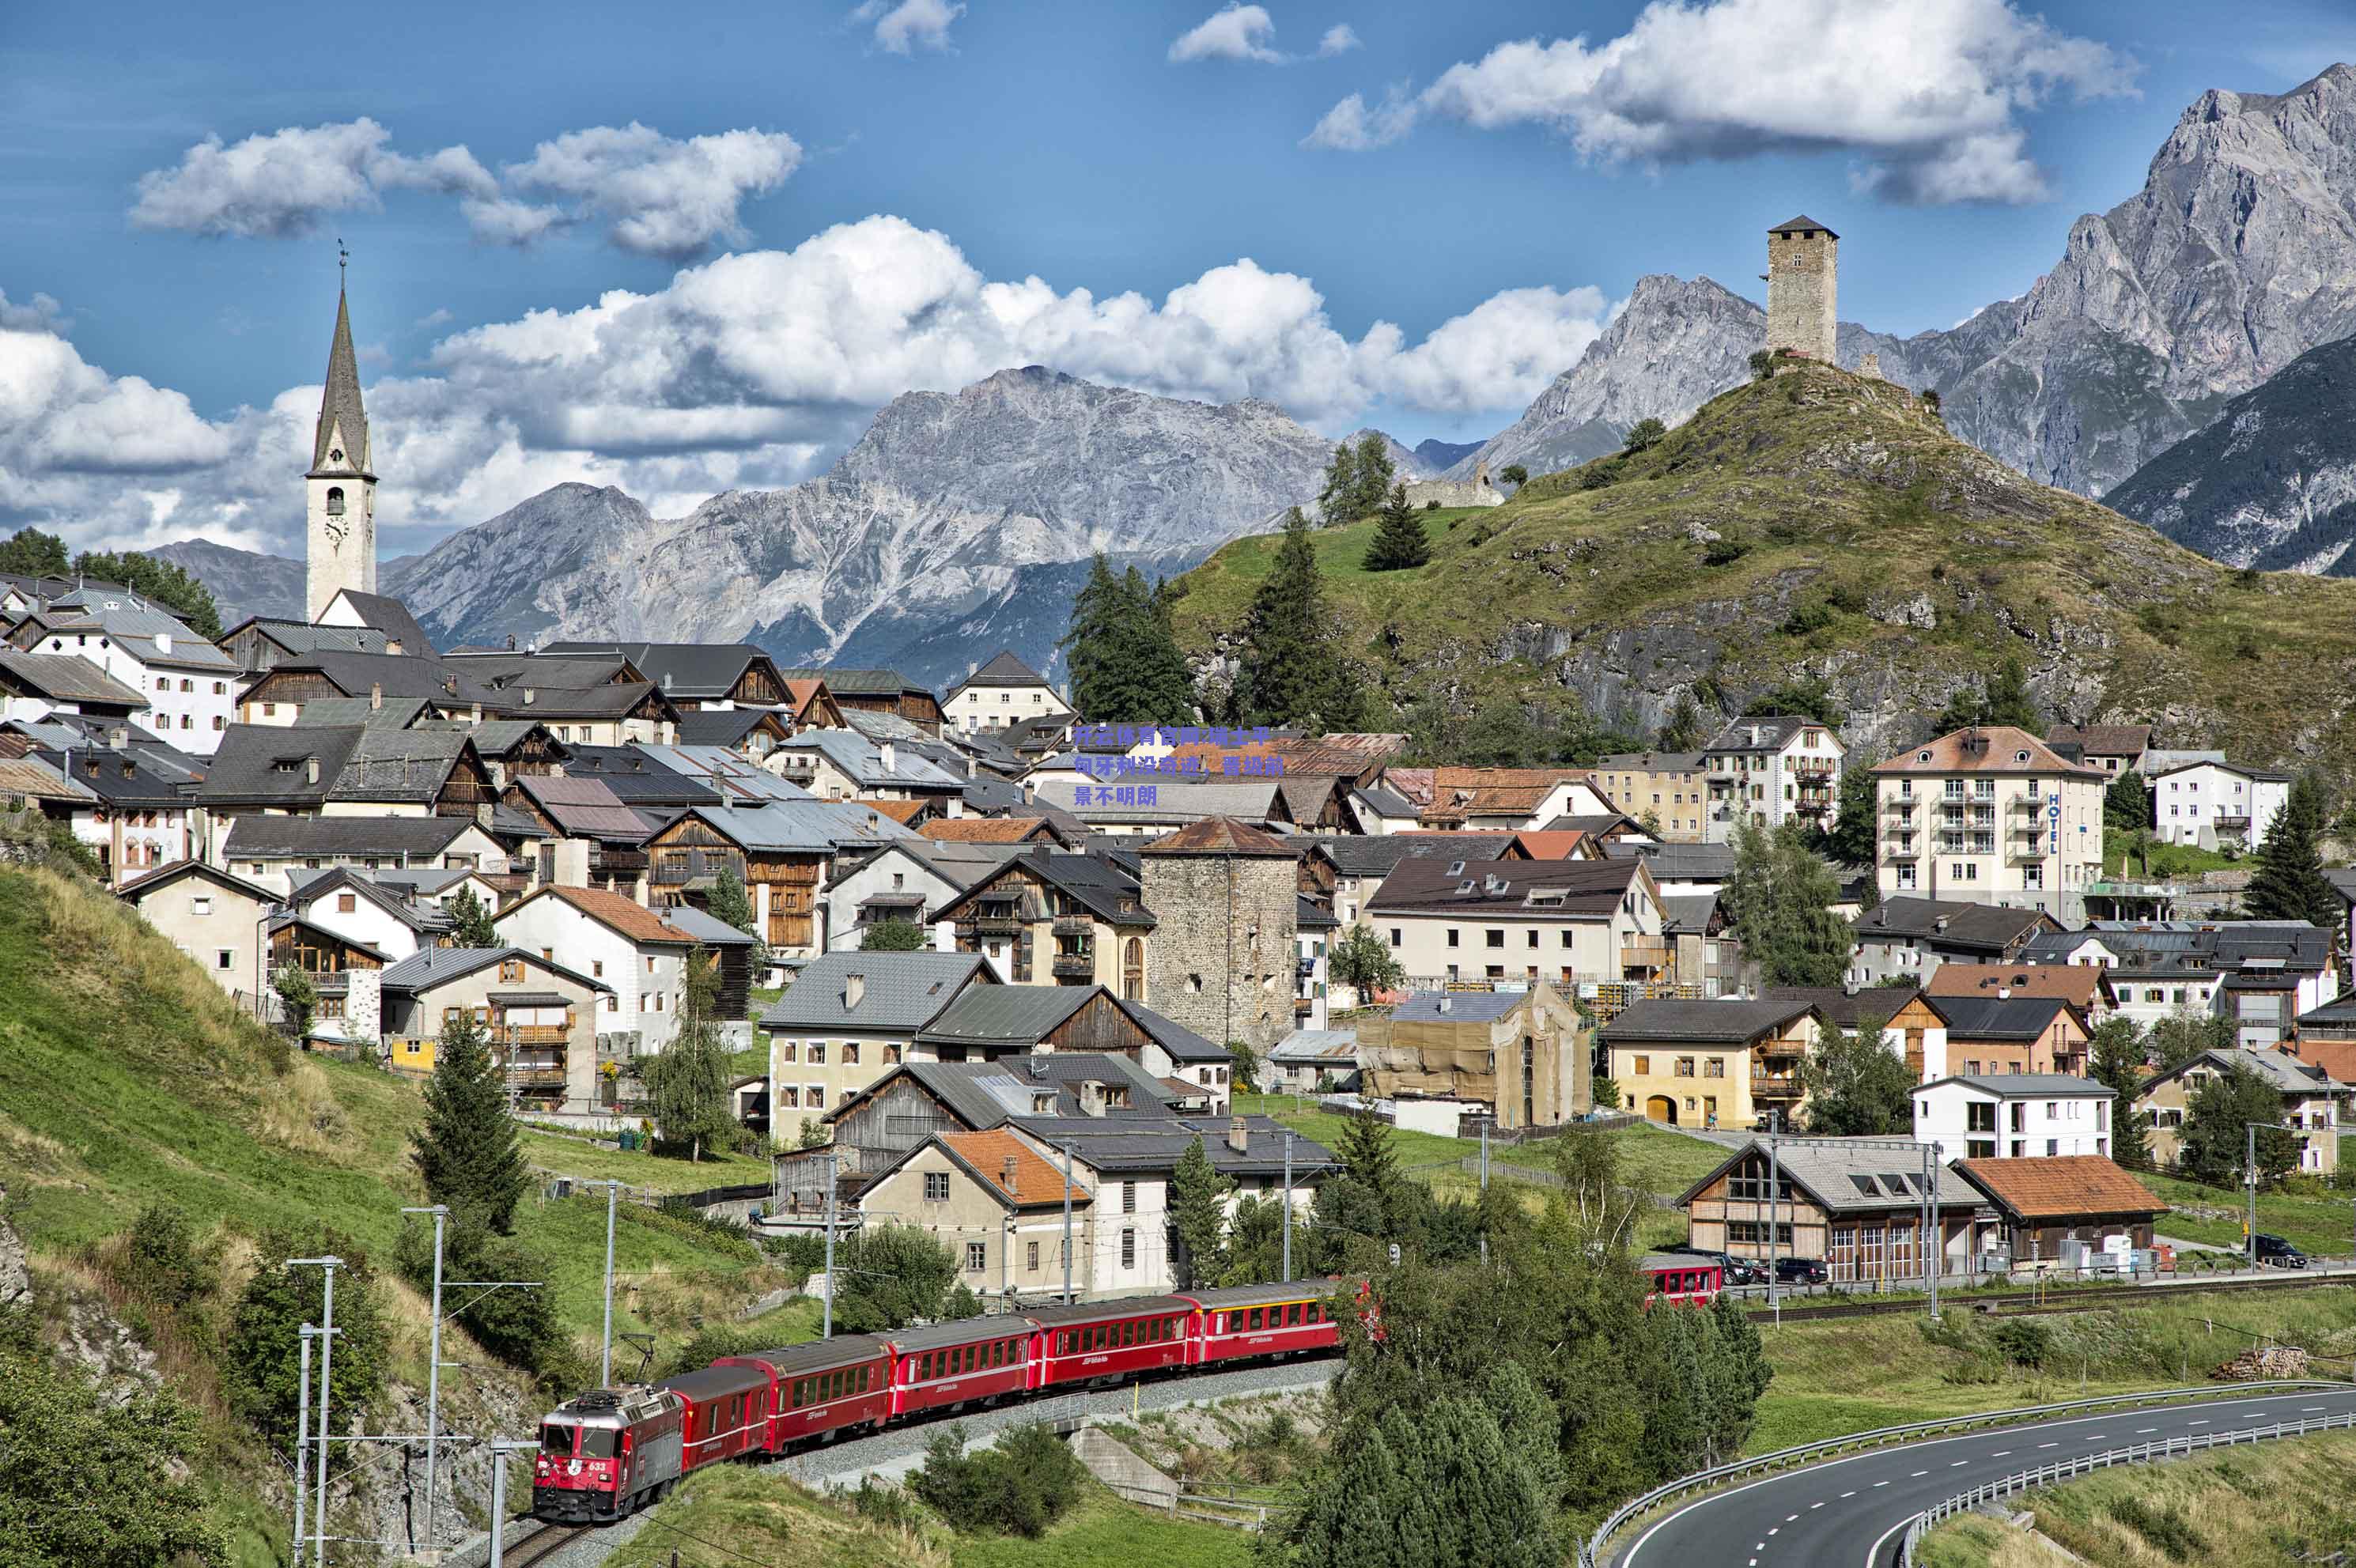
(809, 705)
(584, 808)
(694, 674)
(783, 868)
(1858, 1212)
(875, 691)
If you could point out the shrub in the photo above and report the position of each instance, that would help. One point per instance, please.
(162, 1252)
(890, 1507)
(1644, 433)
(1725, 550)
(1807, 616)
(1763, 364)
(2249, 577)
(2023, 1341)
(1431, 505)
(2166, 1528)
(1018, 1488)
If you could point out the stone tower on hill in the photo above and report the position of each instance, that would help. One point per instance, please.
(1803, 280)
(340, 544)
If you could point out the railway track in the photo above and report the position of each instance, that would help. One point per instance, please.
(542, 1544)
(2026, 1303)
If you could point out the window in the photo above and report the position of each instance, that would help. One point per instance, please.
(1533, 935)
(1451, 936)
(511, 969)
(1129, 1254)
(1128, 1197)
(1643, 1066)
(1031, 1256)
(224, 959)
(1713, 1067)
(2053, 1146)
(790, 1050)
(818, 1053)
(815, 1097)
(1394, 936)
(200, 906)
(346, 902)
(335, 500)
(1684, 1068)
(850, 1053)
(936, 1187)
(976, 1260)
(1496, 937)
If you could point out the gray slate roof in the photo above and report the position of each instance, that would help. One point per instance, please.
(1146, 1143)
(2029, 1085)
(1689, 862)
(391, 617)
(1017, 1015)
(1998, 1018)
(1847, 1008)
(694, 670)
(861, 761)
(2287, 1073)
(1003, 671)
(985, 1095)
(1182, 1043)
(637, 776)
(1984, 928)
(856, 682)
(430, 966)
(300, 637)
(399, 765)
(63, 678)
(1773, 732)
(1726, 1022)
(1688, 911)
(1374, 855)
(247, 765)
(297, 838)
(1253, 800)
(904, 991)
(705, 929)
(1847, 1179)
(1458, 1006)
(340, 407)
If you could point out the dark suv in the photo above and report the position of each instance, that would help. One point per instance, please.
(1801, 1271)
(2275, 1251)
(1736, 1270)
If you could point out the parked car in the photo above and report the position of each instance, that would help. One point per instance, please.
(2275, 1251)
(1735, 1271)
(1801, 1271)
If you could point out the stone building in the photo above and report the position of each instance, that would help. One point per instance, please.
(1476, 491)
(1224, 898)
(340, 550)
(1803, 260)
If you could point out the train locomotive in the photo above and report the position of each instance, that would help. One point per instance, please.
(611, 1451)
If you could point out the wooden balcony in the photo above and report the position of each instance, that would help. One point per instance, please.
(1648, 953)
(1774, 1087)
(1077, 965)
(997, 925)
(536, 1077)
(531, 1034)
(1075, 925)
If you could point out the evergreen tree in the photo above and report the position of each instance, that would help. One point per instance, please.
(2290, 883)
(466, 1148)
(1852, 841)
(2216, 1144)
(1857, 1086)
(160, 580)
(1126, 664)
(1398, 543)
(1363, 959)
(1741, 1373)
(1197, 1212)
(1372, 481)
(1341, 487)
(29, 552)
(1779, 900)
(1440, 1488)
(2005, 700)
(730, 904)
(893, 935)
(687, 1083)
(2126, 804)
(2117, 1049)
(1365, 1148)
(1683, 730)
(1292, 669)
(470, 923)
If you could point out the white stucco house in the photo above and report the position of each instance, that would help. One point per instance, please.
(2017, 1115)
(615, 941)
(2209, 803)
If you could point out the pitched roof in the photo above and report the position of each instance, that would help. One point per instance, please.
(990, 1155)
(270, 765)
(624, 917)
(736, 777)
(900, 991)
(1802, 221)
(1977, 1017)
(1555, 844)
(987, 830)
(1844, 1179)
(899, 811)
(1458, 1006)
(722, 726)
(2102, 739)
(399, 675)
(36, 780)
(1143, 1143)
(155, 882)
(1181, 1043)
(1007, 1015)
(1309, 915)
(2030, 1085)
(855, 682)
(583, 807)
(1986, 749)
(2060, 1186)
(399, 765)
(385, 713)
(431, 966)
(391, 617)
(2285, 1072)
(1988, 928)
(696, 670)
(63, 678)
(804, 826)
(2079, 984)
(395, 902)
(1689, 862)
(1688, 911)
(339, 406)
(1845, 1008)
(1533, 889)
(636, 775)
(1376, 855)
(1734, 1022)
(1222, 836)
(982, 1094)
(861, 761)
(302, 638)
(1005, 670)
(299, 838)
(1761, 733)
(703, 928)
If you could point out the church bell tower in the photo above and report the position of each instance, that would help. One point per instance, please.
(341, 550)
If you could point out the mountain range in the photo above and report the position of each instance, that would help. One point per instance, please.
(960, 522)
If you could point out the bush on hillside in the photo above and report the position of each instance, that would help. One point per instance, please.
(161, 1248)
(262, 1368)
(1018, 1488)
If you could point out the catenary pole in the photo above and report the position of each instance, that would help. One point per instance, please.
(2250, 1174)
(1068, 1224)
(329, 1262)
(1774, 1181)
(606, 1346)
(302, 1443)
(825, 1329)
(1288, 1208)
(441, 1213)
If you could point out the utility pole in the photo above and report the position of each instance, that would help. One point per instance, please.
(2250, 1174)
(1288, 1208)
(301, 1451)
(441, 1213)
(826, 1331)
(605, 1336)
(1774, 1181)
(501, 1448)
(330, 1263)
(1068, 1224)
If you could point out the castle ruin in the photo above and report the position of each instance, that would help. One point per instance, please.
(1802, 284)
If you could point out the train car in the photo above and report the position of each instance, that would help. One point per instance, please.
(1683, 1279)
(727, 1412)
(970, 1360)
(1262, 1320)
(607, 1451)
(818, 1391)
(1104, 1341)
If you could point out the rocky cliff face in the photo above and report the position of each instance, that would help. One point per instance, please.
(2237, 256)
(2271, 481)
(244, 582)
(967, 513)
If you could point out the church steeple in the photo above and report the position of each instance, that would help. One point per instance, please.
(340, 444)
(340, 544)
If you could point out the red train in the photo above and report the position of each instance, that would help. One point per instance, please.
(611, 1450)
(1683, 1279)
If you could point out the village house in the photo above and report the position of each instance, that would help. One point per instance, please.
(353, 905)
(1570, 922)
(838, 764)
(2262, 974)
(538, 1016)
(34, 687)
(133, 806)
(612, 837)
(2071, 1212)
(2025, 1115)
(344, 971)
(1703, 952)
(2115, 748)
(1520, 1059)
(695, 676)
(262, 643)
(1907, 1027)
(190, 685)
(997, 1204)
(909, 879)
(1013, 830)
(2086, 987)
(1995, 1035)
(352, 608)
(1343, 870)
(1903, 940)
(264, 849)
(1728, 1064)
(1769, 769)
(281, 695)
(1457, 800)
(1858, 1212)
(1000, 693)
(850, 1017)
(2215, 805)
(214, 917)
(1990, 816)
(750, 733)
(783, 850)
(637, 953)
(1045, 916)
(875, 691)
(1313, 1060)
(2312, 1100)
(1667, 789)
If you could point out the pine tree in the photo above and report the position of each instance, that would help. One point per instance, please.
(2126, 804)
(1197, 1212)
(1341, 488)
(1092, 648)
(1291, 669)
(1851, 841)
(1164, 682)
(730, 904)
(2290, 883)
(1398, 543)
(1682, 730)
(1363, 1148)
(2118, 1065)
(466, 1148)
(1126, 664)
(687, 1083)
(1372, 479)
(470, 923)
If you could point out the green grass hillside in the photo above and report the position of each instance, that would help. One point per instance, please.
(1821, 525)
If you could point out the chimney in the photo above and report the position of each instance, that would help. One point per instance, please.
(2003, 994)
(510, 642)
(1006, 1174)
(450, 685)
(1237, 1139)
(376, 695)
(163, 642)
(1446, 1004)
(854, 990)
(891, 755)
(118, 737)
(527, 695)
(1941, 923)
(311, 770)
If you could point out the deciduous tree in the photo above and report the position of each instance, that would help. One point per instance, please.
(686, 1082)
(29, 552)
(890, 1275)
(2216, 1146)
(893, 935)
(1857, 1086)
(1514, 474)
(2117, 1049)
(262, 1368)
(1362, 958)
(2126, 804)
(1644, 433)
(1852, 839)
(168, 585)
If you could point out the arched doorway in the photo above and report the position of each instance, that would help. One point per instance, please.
(1661, 1108)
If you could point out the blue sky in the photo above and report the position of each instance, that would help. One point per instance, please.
(1082, 145)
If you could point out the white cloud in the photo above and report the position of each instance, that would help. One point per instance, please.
(1927, 94)
(1351, 126)
(665, 198)
(752, 369)
(1340, 38)
(910, 25)
(662, 197)
(1237, 33)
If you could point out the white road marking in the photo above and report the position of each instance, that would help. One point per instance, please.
(1774, 1530)
(1918, 1473)
(2048, 1445)
(1790, 1517)
(1844, 1494)
(2202, 1422)
(1886, 1483)
(1820, 1505)
(2141, 1430)
(1999, 1453)
(1959, 1464)
(2303, 1407)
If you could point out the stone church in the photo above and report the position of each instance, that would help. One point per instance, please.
(340, 549)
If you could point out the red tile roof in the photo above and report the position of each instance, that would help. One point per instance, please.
(1994, 749)
(1035, 1182)
(1555, 844)
(986, 830)
(1221, 836)
(627, 916)
(899, 811)
(2060, 1186)
(2080, 985)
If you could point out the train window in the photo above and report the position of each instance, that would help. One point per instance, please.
(1255, 1319)
(1104, 1336)
(597, 1442)
(556, 1439)
(1063, 1343)
(1293, 1315)
(841, 1385)
(863, 1380)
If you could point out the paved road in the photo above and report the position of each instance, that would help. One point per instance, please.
(1848, 1512)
